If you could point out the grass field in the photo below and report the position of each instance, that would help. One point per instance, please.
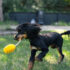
(18, 60)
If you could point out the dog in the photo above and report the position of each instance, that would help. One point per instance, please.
(66, 33)
(40, 42)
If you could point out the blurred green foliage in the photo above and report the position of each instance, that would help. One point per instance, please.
(34, 5)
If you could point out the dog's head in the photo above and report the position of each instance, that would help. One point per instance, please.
(27, 30)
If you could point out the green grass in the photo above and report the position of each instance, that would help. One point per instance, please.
(18, 60)
(7, 24)
(60, 23)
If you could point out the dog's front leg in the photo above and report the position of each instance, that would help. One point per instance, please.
(32, 59)
(41, 55)
(30, 65)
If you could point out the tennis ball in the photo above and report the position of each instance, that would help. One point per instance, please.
(9, 48)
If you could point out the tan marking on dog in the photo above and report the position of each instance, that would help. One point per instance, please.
(33, 47)
(22, 36)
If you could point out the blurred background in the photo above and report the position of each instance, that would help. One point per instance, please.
(44, 12)
(52, 15)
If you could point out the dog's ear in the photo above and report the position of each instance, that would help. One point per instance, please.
(34, 30)
(25, 24)
(21, 26)
(36, 24)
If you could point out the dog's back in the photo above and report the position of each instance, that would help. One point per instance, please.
(50, 38)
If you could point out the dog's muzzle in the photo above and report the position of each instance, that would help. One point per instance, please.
(20, 36)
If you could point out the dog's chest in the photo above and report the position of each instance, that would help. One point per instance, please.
(34, 47)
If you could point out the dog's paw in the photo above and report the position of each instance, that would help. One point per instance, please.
(61, 59)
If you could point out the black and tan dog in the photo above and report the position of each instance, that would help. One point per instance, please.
(40, 42)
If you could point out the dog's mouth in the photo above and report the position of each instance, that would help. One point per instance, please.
(20, 37)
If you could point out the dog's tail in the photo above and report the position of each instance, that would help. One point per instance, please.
(66, 33)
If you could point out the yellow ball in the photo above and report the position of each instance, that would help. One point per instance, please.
(9, 48)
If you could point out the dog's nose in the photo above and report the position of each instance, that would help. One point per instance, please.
(16, 37)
